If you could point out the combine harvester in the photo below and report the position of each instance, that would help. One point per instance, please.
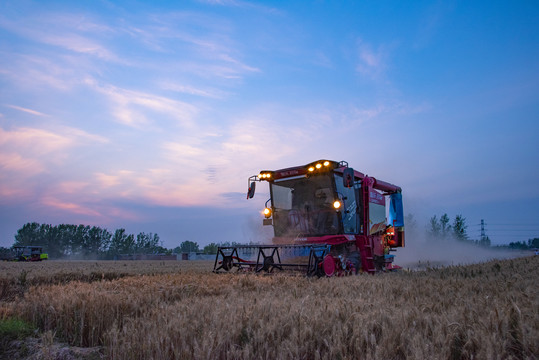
(28, 253)
(328, 219)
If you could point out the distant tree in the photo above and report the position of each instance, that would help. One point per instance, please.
(162, 250)
(66, 238)
(122, 243)
(29, 234)
(445, 228)
(520, 245)
(434, 228)
(52, 244)
(106, 237)
(147, 243)
(189, 246)
(484, 241)
(211, 248)
(523, 245)
(5, 253)
(459, 228)
(533, 243)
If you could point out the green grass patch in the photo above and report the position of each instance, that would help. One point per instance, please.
(13, 329)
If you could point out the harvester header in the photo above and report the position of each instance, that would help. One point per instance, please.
(343, 220)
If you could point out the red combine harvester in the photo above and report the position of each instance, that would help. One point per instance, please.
(328, 219)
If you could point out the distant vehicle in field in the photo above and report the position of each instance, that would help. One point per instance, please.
(29, 253)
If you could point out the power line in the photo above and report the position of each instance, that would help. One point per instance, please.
(526, 230)
(500, 224)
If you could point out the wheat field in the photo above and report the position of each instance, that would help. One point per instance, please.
(183, 311)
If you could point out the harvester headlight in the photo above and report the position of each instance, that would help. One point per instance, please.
(337, 204)
(318, 166)
(267, 213)
(311, 168)
(326, 163)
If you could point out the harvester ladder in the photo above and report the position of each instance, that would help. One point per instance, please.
(367, 255)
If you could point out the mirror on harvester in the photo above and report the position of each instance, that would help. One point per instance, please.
(251, 191)
(348, 177)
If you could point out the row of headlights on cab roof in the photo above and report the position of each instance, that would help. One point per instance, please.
(267, 211)
(318, 166)
(267, 175)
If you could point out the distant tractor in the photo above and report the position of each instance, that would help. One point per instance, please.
(339, 219)
(29, 253)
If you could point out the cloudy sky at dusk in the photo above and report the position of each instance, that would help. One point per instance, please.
(151, 116)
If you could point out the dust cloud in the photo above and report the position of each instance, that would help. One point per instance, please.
(422, 252)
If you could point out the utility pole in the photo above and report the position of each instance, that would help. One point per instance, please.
(483, 236)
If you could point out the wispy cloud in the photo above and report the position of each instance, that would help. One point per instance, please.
(202, 44)
(27, 152)
(39, 140)
(131, 107)
(431, 22)
(12, 162)
(29, 111)
(238, 64)
(372, 62)
(32, 72)
(80, 44)
(323, 60)
(61, 31)
(243, 4)
(358, 115)
(71, 207)
(191, 90)
(74, 187)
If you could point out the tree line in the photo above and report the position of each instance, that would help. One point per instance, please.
(191, 246)
(442, 229)
(84, 241)
(523, 245)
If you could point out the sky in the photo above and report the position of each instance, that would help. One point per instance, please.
(151, 116)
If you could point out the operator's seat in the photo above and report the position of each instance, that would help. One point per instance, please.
(297, 221)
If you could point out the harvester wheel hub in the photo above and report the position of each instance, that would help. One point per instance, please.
(329, 265)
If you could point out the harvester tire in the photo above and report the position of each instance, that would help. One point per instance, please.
(228, 263)
(268, 263)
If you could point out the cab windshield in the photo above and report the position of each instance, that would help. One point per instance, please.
(304, 206)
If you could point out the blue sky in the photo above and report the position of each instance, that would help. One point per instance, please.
(151, 117)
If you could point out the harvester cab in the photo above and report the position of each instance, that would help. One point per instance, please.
(357, 220)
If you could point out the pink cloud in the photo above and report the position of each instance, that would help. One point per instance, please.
(42, 141)
(73, 187)
(13, 162)
(69, 206)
